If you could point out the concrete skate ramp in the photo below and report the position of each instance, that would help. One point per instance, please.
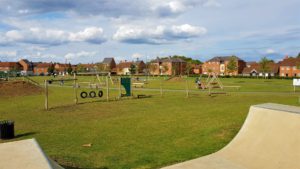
(269, 139)
(25, 154)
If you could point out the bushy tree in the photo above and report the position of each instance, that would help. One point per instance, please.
(264, 61)
(51, 69)
(232, 65)
(132, 69)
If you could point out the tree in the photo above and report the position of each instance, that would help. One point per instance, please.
(188, 68)
(298, 55)
(81, 68)
(153, 67)
(69, 69)
(232, 65)
(165, 68)
(132, 69)
(51, 69)
(264, 61)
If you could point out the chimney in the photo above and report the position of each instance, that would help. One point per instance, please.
(286, 57)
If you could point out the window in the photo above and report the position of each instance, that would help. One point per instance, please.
(295, 68)
(287, 68)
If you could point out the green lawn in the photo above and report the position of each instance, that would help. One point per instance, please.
(138, 133)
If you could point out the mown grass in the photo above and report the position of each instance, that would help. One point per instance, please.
(135, 133)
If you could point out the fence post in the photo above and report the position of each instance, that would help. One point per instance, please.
(107, 89)
(187, 87)
(161, 89)
(75, 90)
(46, 94)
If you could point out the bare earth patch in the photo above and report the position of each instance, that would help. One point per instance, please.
(18, 88)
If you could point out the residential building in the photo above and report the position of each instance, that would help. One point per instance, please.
(167, 66)
(254, 69)
(110, 65)
(10, 66)
(219, 66)
(196, 68)
(123, 68)
(62, 69)
(27, 67)
(289, 67)
(42, 68)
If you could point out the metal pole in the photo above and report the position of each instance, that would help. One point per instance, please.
(46, 94)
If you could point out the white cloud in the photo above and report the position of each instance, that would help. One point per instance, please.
(8, 53)
(82, 54)
(158, 35)
(91, 34)
(212, 3)
(42, 36)
(270, 51)
(136, 55)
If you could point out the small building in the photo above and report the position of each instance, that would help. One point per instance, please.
(168, 66)
(289, 67)
(219, 65)
(254, 69)
(62, 69)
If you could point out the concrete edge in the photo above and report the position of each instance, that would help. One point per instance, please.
(279, 107)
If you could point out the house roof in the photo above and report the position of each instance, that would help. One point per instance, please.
(223, 58)
(173, 60)
(43, 65)
(107, 60)
(8, 64)
(290, 62)
(26, 61)
(123, 65)
(273, 68)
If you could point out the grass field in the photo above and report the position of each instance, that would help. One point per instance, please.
(139, 133)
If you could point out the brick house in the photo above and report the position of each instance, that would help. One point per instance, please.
(62, 69)
(197, 69)
(42, 68)
(27, 67)
(109, 65)
(10, 66)
(289, 67)
(218, 65)
(254, 69)
(167, 66)
(123, 68)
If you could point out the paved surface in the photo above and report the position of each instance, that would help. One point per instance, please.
(25, 154)
(269, 139)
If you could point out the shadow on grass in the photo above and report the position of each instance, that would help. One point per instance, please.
(25, 134)
(68, 167)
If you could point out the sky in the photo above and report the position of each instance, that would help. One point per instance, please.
(86, 31)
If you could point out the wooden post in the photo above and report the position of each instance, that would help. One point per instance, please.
(107, 89)
(75, 90)
(187, 88)
(161, 89)
(46, 94)
(120, 89)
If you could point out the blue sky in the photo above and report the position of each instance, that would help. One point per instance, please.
(85, 31)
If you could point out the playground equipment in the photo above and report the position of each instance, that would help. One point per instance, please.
(212, 82)
(126, 83)
(25, 154)
(269, 139)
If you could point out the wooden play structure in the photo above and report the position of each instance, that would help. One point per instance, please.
(212, 82)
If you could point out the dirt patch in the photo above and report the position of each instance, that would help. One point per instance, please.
(18, 88)
(176, 79)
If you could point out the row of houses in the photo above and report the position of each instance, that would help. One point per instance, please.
(288, 67)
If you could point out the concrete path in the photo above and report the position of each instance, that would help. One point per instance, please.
(25, 154)
(269, 139)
